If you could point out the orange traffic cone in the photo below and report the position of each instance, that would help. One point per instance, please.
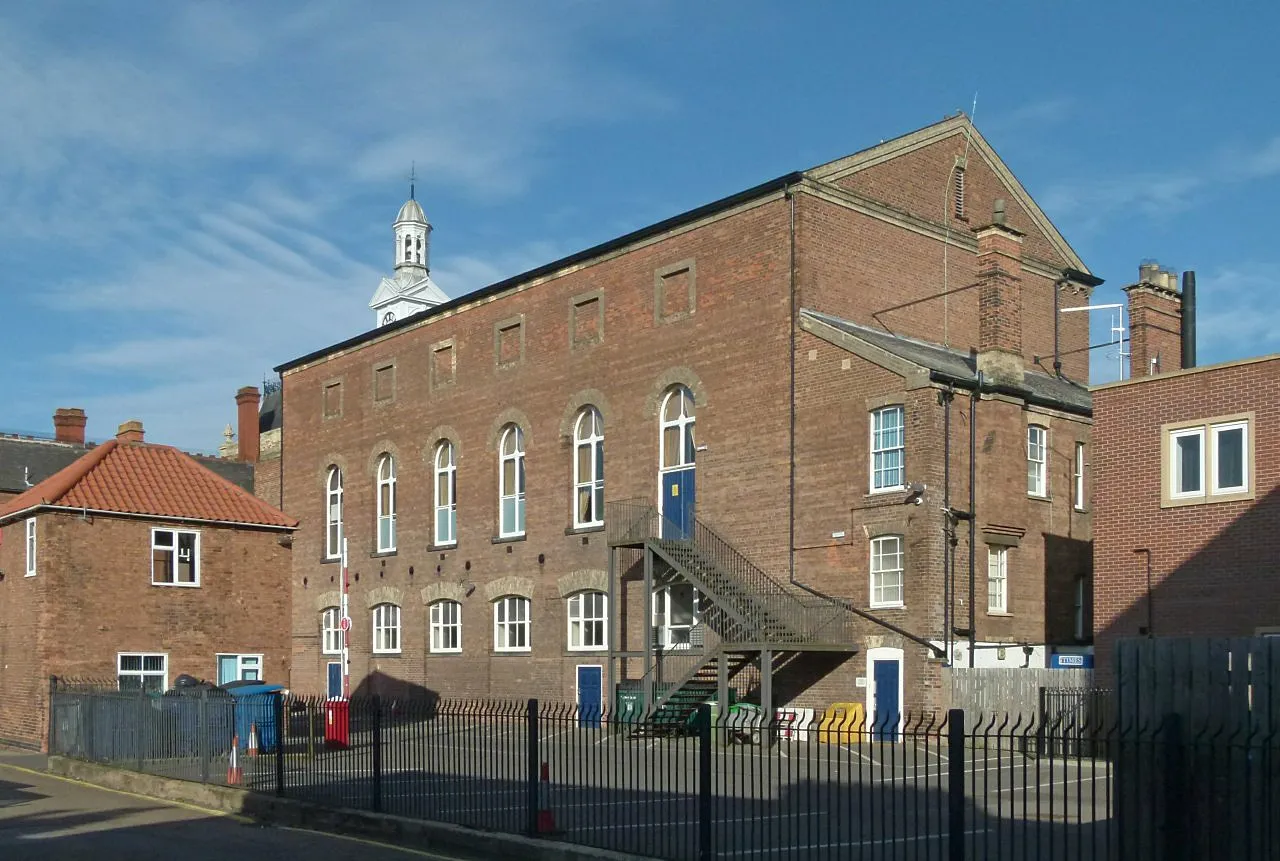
(253, 739)
(235, 775)
(546, 818)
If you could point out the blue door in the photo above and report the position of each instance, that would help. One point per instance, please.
(888, 711)
(589, 696)
(335, 680)
(678, 493)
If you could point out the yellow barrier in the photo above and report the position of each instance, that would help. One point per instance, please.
(842, 723)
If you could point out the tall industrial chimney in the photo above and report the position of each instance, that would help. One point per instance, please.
(1188, 319)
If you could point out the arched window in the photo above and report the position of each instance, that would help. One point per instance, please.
(588, 621)
(511, 483)
(386, 504)
(446, 495)
(886, 571)
(678, 420)
(446, 626)
(330, 632)
(588, 469)
(333, 514)
(408, 248)
(419, 249)
(511, 624)
(386, 629)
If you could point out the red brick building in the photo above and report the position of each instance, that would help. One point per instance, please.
(138, 564)
(794, 364)
(1187, 472)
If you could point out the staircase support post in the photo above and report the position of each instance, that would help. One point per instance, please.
(649, 645)
(766, 695)
(611, 635)
(722, 681)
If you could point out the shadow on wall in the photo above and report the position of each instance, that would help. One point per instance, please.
(1230, 587)
(1066, 561)
(379, 684)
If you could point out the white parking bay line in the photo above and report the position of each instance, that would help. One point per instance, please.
(849, 844)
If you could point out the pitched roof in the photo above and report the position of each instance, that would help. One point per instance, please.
(27, 461)
(957, 366)
(149, 480)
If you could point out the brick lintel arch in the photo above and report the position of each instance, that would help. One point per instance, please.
(521, 586)
(578, 400)
(328, 462)
(383, 446)
(439, 434)
(325, 600)
(444, 592)
(509, 416)
(585, 580)
(671, 377)
(384, 595)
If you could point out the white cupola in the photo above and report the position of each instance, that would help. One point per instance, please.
(410, 290)
(413, 236)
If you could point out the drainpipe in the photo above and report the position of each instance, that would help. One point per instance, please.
(948, 526)
(973, 506)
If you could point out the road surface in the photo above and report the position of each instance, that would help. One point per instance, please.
(50, 819)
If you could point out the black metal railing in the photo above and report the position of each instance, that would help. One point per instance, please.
(733, 785)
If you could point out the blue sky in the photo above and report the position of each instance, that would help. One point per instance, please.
(193, 193)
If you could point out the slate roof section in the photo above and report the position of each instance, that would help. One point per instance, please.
(269, 414)
(149, 480)
(961, 367)
(32, 459)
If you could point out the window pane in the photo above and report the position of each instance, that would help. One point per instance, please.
(1230, 458)
(671, 446)
(162, 565)
(131, 663)
(130, 684)
(508, 476)
(1187, 464)
(153, 663)
(584, 463)
(186, 557)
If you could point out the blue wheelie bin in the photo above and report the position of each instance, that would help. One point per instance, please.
(256, 708)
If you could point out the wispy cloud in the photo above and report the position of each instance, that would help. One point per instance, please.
(1032, 116)
(1237, 314)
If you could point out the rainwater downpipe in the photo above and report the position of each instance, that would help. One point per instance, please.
(973, 507)
(948, 526)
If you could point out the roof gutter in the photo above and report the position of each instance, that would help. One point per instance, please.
(1013, 391)
(71, 509)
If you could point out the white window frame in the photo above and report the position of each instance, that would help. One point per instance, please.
(30, 533)
(446, 472)
(175, 549)
(1038, 468)
(878, 546)
(1079, 476)
(507, 629)
(386, 629)
(685, 422)
(440, 625)
(879, 451)
(997, 579)
(333, 514)
(579, 621)
(511, 525)
(331, 631)
(1215, 430)
(386, 507)
(255, 660)
(143, 674)
(592, 484)
(1175, 471)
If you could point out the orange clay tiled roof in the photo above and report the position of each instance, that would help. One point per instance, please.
(149, 480)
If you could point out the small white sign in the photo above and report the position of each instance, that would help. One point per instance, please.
(837, 535)
(1071, 660)
(860, 682)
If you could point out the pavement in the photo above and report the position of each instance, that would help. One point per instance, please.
(53, 819)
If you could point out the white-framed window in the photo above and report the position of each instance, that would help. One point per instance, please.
(588, 621)
(175, 557)
(386, 629)
(511, 624)
(1187, 466)
(678, 424)
(333, 514)
(386, 504)
(31, 546)
(511, 483)
(1037, 461)
(888, 449)
(1078, 476)
(446, 626)
(138, 671)
(239, 668)
(446, 495)
(997, 579)
(588, 469)
(1229, 454)
(331, 631)
(886, 571)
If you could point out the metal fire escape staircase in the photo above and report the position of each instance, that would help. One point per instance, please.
(744, 617)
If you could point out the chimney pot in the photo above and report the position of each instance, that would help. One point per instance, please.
(1155, 321)
(248, 401)
(68, 425)
(1000, 301)
(130, 432)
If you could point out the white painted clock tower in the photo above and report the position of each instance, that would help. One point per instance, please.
(410, 289)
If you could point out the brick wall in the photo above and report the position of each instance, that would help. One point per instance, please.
(1214, 566)
(24, 637)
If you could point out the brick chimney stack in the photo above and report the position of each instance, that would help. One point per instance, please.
(1155, 321)
(130, 432)
(68, 425)
(1000, 300)
(248, 399)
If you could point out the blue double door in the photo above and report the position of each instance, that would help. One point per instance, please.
(679, 492)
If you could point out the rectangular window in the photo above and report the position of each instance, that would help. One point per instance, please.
(239, 668)
(31, 547)
(384, 382)
(1230, 475)
(386, 629)
(330, 632)
(886, 571)
(997, 579)
(588, 621)
(511, 624)
(444, 364)
(332, 400)
(586, 319)
(1187, 468)
(1079, 476)
(674, 292)
(142, 672)
(888, 449)
(175, 557)
(446, 626)
(1037, 461)
(508, 341)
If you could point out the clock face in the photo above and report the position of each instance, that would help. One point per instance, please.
(389, 317)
